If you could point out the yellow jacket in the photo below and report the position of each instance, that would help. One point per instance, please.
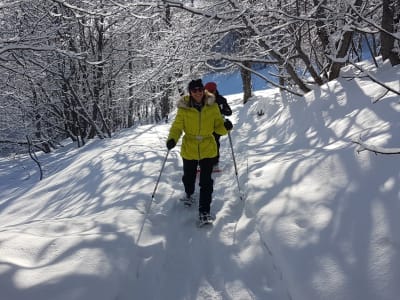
(198, 126)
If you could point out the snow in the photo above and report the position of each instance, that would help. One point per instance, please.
(318, 221)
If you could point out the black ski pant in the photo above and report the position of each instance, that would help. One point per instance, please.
(217, 138)
(206, 182)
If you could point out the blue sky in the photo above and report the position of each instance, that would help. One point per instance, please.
(232, 83)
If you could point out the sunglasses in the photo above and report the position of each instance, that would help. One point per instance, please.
(197, 90)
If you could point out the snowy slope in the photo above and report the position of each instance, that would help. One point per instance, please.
(319, 220)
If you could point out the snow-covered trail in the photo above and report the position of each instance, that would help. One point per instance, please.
(320, 221)
(90, 221)
(214, 262)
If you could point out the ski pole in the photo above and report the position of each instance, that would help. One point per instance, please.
(152, 199)
(234, 163)
(159, 176)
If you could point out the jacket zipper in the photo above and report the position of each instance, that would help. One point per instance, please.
(198, 145)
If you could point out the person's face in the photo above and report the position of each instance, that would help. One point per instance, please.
(197, 94)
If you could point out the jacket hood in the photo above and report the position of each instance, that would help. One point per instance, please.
(208, 99)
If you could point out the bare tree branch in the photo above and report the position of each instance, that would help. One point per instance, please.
(376, 80)
(377, 150)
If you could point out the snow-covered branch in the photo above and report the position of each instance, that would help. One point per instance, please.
(376, 80)
(373, 24)
(377, 150)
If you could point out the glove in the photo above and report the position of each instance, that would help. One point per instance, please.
(170, 144)
(228, 124)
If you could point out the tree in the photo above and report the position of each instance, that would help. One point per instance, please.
(390, 20)
(80, 70)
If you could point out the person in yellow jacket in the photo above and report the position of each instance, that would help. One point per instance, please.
(198, 116)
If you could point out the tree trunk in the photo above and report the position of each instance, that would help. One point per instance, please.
(246, 80)
(130, 113)
(343, 50)
(387, 41)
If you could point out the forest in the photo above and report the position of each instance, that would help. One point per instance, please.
(86, 69)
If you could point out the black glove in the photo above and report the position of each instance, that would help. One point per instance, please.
(170, 144)
(228, 124)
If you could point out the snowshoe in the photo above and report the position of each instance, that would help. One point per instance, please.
(205, 219)
(188, 200)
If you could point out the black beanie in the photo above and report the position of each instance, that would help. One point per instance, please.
(195, 84)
